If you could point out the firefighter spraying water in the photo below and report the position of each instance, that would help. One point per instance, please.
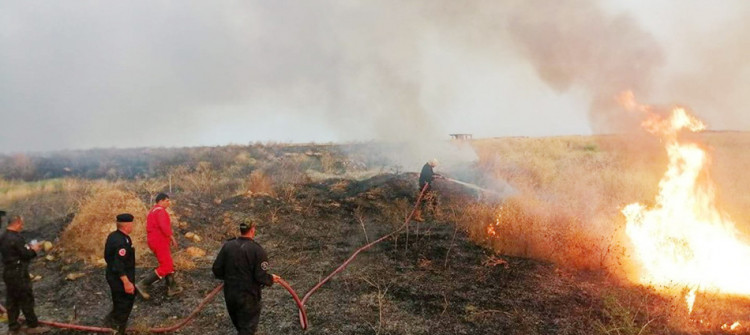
(431, 199)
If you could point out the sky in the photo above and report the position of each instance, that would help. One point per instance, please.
(101, 74)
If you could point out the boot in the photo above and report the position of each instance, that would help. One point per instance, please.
(142, 284)
(418, 216)
(172, 287)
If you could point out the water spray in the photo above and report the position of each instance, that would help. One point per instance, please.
(472, 186)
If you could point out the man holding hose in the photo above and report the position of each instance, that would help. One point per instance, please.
(243, 266)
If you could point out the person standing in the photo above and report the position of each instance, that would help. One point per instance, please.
(160, 238)
(18, 289)
(430, 197)
(243, 266)
(120, 257)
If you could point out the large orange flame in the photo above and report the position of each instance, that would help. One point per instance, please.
(684, 240)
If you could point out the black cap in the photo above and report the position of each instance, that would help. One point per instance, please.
(124, 217)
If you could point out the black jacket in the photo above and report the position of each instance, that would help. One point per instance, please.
(120, 256)
(426, 176)
(14, 250)
(243, 264)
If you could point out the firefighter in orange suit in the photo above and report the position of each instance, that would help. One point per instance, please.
(160, 240)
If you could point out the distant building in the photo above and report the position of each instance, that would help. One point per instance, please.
(461, 137)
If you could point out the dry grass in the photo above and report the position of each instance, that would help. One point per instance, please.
(84, 238)
(12, 191)
(43, 202)
(183, 261)
(571, 191)
(567, 210)
(259, 183)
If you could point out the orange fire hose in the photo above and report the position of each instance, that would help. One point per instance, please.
(195, 311)
(67, 325)
(303, 318)
(211, 295)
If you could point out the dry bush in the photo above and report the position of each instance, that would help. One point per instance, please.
(516, 228)
(289, 169)
(570, 193)
(204, 182)
(340, 186)
(84, 238)
(245, 159)
(259, 183)
(331, 163)
(395, 212)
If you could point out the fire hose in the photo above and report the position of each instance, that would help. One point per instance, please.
(211, 295)
(303, 318)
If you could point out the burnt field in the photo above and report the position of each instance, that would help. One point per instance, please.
(317, 204)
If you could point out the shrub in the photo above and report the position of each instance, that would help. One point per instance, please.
(258, 182)
(84, 237)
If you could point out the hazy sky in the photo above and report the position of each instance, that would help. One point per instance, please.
(84, 74)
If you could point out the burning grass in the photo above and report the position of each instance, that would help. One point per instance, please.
(566, 209)
(570, 190)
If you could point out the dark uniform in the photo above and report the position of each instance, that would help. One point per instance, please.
(19, 294)
(430, 197)
(120, 256)
(243, 264)
(426, 176)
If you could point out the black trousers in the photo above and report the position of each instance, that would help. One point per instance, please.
(244, 309)
(122, 305)
(19, 296)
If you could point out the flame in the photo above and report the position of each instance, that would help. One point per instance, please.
(491, 228)
(491, 231)
(690, 299)
(734, 326)
(684, 240)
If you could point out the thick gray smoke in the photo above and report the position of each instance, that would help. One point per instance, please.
(88, 74)
(574, 44)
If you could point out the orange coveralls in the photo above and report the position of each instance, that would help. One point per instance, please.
(159, 236)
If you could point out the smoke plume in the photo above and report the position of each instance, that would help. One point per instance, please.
(143, 73)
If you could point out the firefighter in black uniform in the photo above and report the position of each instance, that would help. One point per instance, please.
(243, 264)
(120, 256)
(429, 197)
(19, 294)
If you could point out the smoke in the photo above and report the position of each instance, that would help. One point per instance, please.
(143, 73)
(575, 44)
(712, 74)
